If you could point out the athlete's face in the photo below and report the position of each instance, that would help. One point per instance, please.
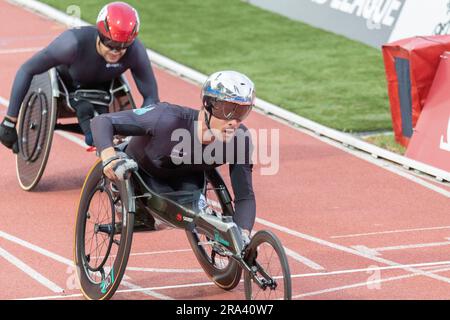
(110, 55)
(224, 130)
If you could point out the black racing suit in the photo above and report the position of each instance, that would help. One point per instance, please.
(167, 149)
(75, 55)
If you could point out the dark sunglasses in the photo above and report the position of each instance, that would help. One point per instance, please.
(114, 45)
(225, 110)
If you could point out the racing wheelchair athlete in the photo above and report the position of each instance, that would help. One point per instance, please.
(167, 173)
(77, 74)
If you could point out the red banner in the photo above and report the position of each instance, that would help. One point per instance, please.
(430, 142)
(410, 68)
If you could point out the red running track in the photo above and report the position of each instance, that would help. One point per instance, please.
(322, 203)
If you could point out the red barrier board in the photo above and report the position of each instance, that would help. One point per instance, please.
(430, 142)
(410, 66)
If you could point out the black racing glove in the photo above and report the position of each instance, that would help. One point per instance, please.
(8, 135)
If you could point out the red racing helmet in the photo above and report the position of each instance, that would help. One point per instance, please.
(118, 25)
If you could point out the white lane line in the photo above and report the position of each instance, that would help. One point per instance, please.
(424, 265)
(150, 293)
(192, 285)
(165, 270)
(429, 264)
(20, 50)
(4, 102)
(371, 285)
(36, 248)
(30, 271)
(64, 260)
(78, 295)
(160, 252)
(413, 246)
(294, 255)
(349, 250)
(72, 138)
(376, 251)
(189, 285)
(388, 232)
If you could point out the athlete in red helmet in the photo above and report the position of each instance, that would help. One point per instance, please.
(87, 58)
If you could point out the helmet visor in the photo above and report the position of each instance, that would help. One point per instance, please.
(114, 45)
(225, 110)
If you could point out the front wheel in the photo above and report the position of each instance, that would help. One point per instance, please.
(103, 236)
(270, 277)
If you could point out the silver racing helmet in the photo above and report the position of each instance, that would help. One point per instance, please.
(228, 95)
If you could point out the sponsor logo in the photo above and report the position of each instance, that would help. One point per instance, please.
(443, 27)
(219, 239)
(107, 282)
(113, 65)
(179, 217)
(377, 13)
(143, 110)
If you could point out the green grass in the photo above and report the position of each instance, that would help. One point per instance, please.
(386, 142)
(316, 74)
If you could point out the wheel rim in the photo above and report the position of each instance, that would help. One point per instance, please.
(37, 118)
(34, 127)
(101, 235)
(270, 268)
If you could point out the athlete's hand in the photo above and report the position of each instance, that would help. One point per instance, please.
(8, 135)
(123, 167)
(116, 167)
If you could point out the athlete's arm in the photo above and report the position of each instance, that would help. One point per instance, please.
(241, 181)
(244, 197)
(137, 122)
(143, 75)
(62, 50)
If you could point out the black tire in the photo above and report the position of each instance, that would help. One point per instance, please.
(100, 280)
(37, 120)
(223, 271)
(256, 256)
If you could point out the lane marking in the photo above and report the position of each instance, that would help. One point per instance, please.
(150, 293)
(36, 248)
(4, 102)
(190, 285)
(376, 251)
(165, 270)
(360, 284)
(65, 261)
(349, 250)
(388, 232)
(212, 284)
(72, 138)
(160, 252)
(294, 255)
(20, 50)
(30, 271)
(424, 265)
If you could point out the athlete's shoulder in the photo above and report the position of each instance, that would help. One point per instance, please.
(83, 31)
(177, 111)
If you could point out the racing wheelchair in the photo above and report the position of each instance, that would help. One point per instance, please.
(46, 101)
(106, 220)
